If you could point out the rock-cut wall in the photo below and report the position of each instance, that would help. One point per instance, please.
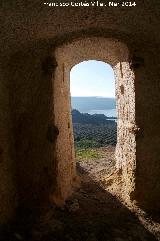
(30, 146)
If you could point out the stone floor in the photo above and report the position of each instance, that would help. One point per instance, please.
(94, 213)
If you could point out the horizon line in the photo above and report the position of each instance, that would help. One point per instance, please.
(94, 96)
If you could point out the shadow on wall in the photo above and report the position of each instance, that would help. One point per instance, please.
(34, 133)
(100, 217)
(148, 138)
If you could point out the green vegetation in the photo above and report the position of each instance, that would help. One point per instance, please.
(93, 131)
(87, 154)
(90, 136)
(85, 143)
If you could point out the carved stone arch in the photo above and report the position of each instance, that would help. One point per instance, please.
(117, 55)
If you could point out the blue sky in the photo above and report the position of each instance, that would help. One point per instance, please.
(92, 78)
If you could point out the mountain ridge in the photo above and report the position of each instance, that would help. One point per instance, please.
(92, 103)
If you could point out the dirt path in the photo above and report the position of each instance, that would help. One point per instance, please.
(95, 212)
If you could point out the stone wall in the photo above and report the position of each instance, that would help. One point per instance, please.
(148, 138)
(31, 107)
(117, 54)
(8, 190)
(31, 95)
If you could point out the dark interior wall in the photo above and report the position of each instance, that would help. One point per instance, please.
(8, 190)
(148, 137)
(26, 107)
(31, 103)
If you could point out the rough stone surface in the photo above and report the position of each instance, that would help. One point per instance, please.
(31, 93)
(117, 55)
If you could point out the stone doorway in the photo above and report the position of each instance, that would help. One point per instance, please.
(94, 118)
(117, 55)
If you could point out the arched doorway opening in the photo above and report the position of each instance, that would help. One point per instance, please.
(117, 55)
(94, 117)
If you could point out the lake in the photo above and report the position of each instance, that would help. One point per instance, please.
(107, 112)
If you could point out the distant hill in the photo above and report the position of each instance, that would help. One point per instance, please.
(93, 130)
(84, 104)
(85, 118)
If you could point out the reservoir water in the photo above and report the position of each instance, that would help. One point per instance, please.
(107, 112)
